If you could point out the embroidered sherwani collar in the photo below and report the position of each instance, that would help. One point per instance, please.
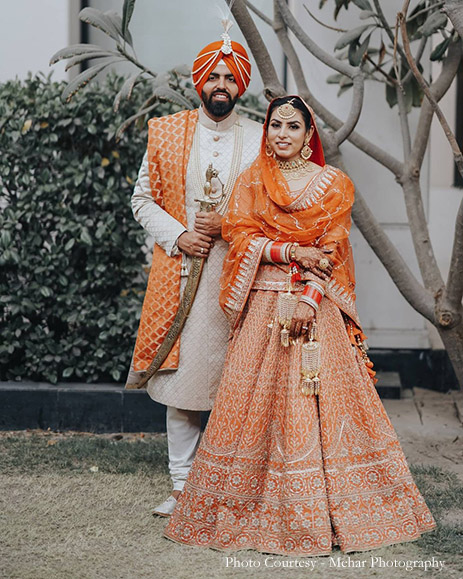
(224, 125)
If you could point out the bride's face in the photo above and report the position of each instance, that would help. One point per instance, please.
(286, 137)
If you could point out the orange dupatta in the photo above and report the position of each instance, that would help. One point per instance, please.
(262, 208)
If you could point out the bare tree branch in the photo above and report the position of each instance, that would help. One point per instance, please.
(293, 59)
(295, 64)
(322, 23)
(343, 132)
(259, 13)
(453, 9)
(404, 124)
(453, 292)
(261, 56)
(419, 230)
(418, 57)
(438, 89)
(355, 110)
(273, 87)
(427, 9)
(412, 290)
(312, 46)
(387, 28)
(457, 154)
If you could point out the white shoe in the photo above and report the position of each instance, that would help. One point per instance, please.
(166, 508)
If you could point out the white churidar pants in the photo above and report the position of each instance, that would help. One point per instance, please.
(183, 431)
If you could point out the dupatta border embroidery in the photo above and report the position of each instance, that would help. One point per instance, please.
(244, 279)
(314, 191)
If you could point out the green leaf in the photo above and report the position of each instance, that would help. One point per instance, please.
(192, 95)
(339, 5)
(68, 372)
(5, 238)
(391, 95)
(117, 22)
(344, 84)
(172, 96)
(74, 50)
(365, 14)
(100, 20)
(85, 236)
(351, 36)
(363, 4)
(127, 11)
(434, 22)
(69, 244)
(124, 126)
(334, 78)
(89, 56)
(440, 49)
(182, 70)
(83, 79)
(126, 90)
(357, 52)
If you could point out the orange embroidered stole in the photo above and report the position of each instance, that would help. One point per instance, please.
(169, 144)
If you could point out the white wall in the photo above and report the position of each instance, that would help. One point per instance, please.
(167, 34)
(32, 31)
(387, 318)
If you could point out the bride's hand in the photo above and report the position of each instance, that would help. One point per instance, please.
(309, 258)
(303, 317)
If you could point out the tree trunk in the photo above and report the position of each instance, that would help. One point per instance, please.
(454, 10)
(453, 343)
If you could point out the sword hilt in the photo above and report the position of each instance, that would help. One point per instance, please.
(206, 204)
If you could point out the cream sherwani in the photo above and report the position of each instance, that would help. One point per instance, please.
(204, 338)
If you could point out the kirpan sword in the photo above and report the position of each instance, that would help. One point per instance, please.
(197, 264)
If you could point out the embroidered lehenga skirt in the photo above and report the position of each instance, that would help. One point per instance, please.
(282, 472)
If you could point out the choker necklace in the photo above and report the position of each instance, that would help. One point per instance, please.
(296, 169)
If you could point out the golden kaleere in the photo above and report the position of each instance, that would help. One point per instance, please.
(310, 365)
(287, 303)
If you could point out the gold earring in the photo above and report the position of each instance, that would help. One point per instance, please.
(268, 149)
(306, 151)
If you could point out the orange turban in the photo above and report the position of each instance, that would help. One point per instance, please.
(234, 56)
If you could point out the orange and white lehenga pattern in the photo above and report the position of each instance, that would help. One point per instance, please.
(278, 471)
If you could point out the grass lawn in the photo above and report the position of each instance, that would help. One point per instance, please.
(79, 507)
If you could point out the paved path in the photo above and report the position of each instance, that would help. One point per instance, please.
(430, 427)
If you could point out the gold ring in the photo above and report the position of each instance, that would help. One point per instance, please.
(305, 328)
(202, 250)
(323, 264)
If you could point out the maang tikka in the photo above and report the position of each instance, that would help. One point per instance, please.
(287, 110)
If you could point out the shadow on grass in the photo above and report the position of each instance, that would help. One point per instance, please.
(77, 455)
(443, 492)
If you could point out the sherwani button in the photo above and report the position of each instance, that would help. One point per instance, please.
(215, 154)
(216, 137)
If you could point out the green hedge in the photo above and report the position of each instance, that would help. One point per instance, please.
(72, 275)
(70, 251)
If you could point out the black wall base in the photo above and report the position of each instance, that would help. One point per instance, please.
(109, 408)
(429, 369)
(82, 407)
(100, 407)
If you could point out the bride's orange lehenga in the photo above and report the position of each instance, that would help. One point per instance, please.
(278, 471)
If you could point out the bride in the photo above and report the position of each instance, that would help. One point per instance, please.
(299, 454)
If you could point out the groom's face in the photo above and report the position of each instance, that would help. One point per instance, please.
(220, 92)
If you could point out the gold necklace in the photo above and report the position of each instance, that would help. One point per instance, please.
(296, 169)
